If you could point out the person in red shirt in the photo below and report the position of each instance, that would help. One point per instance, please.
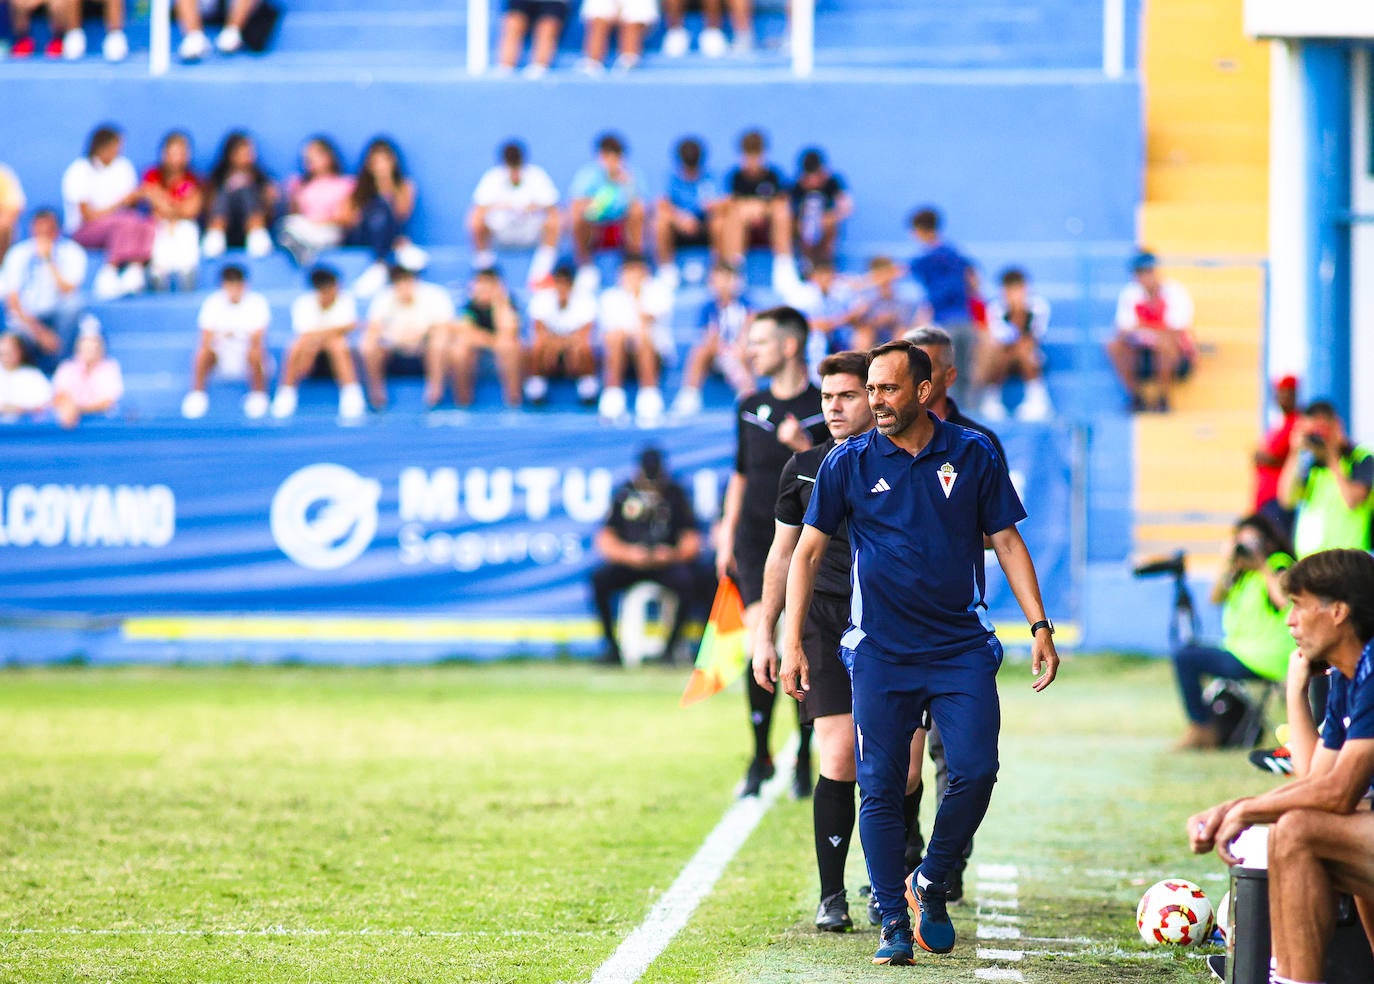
(1273, 452)
(176, 197)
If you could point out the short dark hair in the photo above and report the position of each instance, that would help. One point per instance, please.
(917, 361)
(399, 271)
(753, 142)
(102, 135)
(565, 271)
(634, 259)
(1012, 276)
(233, 273)
(840, 363)
(690, 152)
(1322, 408)
(489, 272)
(44, 212)
(610, 143)
(725, 266)
(926, 219)
(1338, 575)
(512, 153)
(812, 160)
(789, 321)
(323, 276)
(823, 264)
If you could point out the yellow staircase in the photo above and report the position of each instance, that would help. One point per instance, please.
(1205, 213)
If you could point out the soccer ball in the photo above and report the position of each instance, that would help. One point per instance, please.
(1226, 919)
(1174, 911)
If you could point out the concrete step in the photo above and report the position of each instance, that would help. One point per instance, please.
(1234, 228)
(1174, 141)
(1206, 183)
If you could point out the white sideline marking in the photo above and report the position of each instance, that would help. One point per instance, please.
(671, 912)
(986, 932)
(997, 974)
(293, 932)
(1011, 902)
(997, 872)
(984, 953)
(1000, 887)
(999, 917)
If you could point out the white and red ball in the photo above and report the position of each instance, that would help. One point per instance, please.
(1174, 911)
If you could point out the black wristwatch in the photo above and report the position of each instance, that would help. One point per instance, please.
(1044, 623)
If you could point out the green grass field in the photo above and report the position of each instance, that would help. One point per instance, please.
(516, 822)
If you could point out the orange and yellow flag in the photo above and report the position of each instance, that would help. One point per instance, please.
(722, 655)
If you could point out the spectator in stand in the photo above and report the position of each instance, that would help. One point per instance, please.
(382, 202)
(23, 389)
(692, 211)
(758, 214)
(634, 320)
(724, 331)
(515, 206)
(99, 192)
(322, 319)
(829, 302)
(632, 17)
(607, 203)
(195, 45)
(950, 282)
(1154, 319)
(1329, 481)
(1271, 455)
(233, 324)
(414, 321)
(115, 47)
(12, 202)
(41, 283)
(883, 313)
(175, 195)
(711, 42)
(820, 204)
(1255, 641)
(487, 322)
(62, 17)
(242, 200)
(317, 202)
(547, 18)
(562, 318)
(88, 383)
(1017, 324)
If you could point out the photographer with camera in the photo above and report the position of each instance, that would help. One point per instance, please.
(1327, 479)
(1255, 640)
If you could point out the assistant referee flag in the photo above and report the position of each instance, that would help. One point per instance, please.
(721, 657)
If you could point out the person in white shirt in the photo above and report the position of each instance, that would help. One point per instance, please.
(414, 320)
(233, 325)
(562, 318)
(515, 206)
(830, 303)
(634, 318)
(1017, 323)
(41, 283)
(99, 192)
(23, 389)
(1154, 340)
(322, 319)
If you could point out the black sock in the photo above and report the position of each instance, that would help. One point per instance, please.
(805, 731)
(760, 717)
(911, 817)
(832, 811)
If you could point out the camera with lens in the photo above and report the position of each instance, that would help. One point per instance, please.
(1242, 554)
(1315, 442)
(1165, 565)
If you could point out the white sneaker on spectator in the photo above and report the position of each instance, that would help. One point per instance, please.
(1035, 405)
(687, 403)
(625, 63)
(649, 406)
(612, 405)
(106, 286)
(213, 243)
(133, 280)
(259, 243)
(115, 47)
(372, 280)
(992, 409)
(536, 388)
(712, 43)
(194, 404)
(255, 405)
(676, 42)
(193, 47)
(352, 405)
(499, 71)
(284, 403)
(74, 44)
(587, 388)
(229, 41)
(590, 66)
(743, 43)
(534, 70)
(412, 257)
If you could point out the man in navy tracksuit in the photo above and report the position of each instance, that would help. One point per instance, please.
(919, 495)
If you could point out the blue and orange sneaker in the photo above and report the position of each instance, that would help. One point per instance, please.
(934, 931)
(894, 947)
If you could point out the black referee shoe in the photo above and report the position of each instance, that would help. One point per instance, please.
(875, 918)
(760, 771)
(802, 784)
(833, 914)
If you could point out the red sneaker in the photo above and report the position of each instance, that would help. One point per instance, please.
(53, 49)
(23, 48)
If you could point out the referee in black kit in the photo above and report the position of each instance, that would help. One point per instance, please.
(772, 424)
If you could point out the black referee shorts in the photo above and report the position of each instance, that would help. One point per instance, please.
(750, 558)
(829, 693)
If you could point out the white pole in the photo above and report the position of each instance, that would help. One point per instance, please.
(160, 38)
(1113, 38)
(479, 28)
(803, 37)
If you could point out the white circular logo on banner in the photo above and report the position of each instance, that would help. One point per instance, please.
(324, 516)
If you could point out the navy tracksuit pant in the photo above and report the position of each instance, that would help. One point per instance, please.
(890, 700)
